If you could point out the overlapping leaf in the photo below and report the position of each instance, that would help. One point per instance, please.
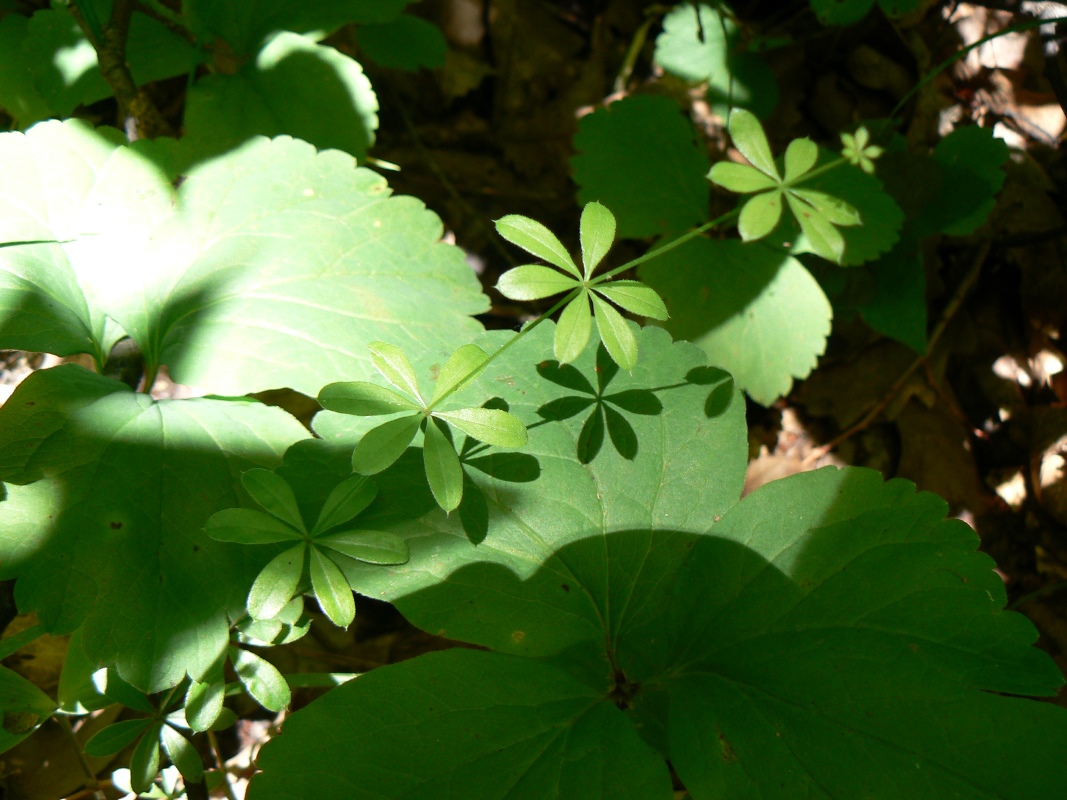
(790, 651)
(274, 266)
(640, 158)
(110, 535)
(755, 311)
(680, 462)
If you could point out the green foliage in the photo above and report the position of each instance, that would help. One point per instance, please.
(846, 12)
(568, 501)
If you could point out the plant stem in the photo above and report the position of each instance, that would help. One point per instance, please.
(221, 763)
(1026, 598)
(19, 640)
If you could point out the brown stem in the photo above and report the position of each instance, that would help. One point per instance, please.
(140, 117)
(950, 311)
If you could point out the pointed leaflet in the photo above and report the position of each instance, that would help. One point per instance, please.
(364, 399)
(615, 333)
(382, 446)
(374, 547)
(635, 297)
(800, 157)
(760, 215)
(749, 138)
(182, 754)
(740, 178)
(115, 737)
(221, 265)
(540, 732)
(273, 494)
(144, 764)
(248, 526)
(331, 589)
(836, 210)
(261, 679)
(533, 237)
(755, 311)
(276, 584)
(346, 501)
(203, 704)
(687, 468)
(117, 472)
(532, 282)
(489, 425)
(825, 240)
(393, 363)
(597, 233)
(461, 367)
(443, 471)
(573, 329)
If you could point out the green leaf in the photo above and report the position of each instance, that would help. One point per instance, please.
(635, 297)
(113, 475)
(276, 584)
(841, 12)
(640, 157)
(261, 679)
(686, 467)
(364, 399)
(898, 307)
(740, 178)
(203, 704)
(245, 23)
(382, 446)
(115, 737)
(972, 160)
(823, 238)
(800, 157)
(749, 138)
(300, 317)
(535, 238)
(489, 425)
(182, 754)
(462, 366)
(698, 44)
(331, 590)
(755, 311)
(532, 282)
(393, 363)
(372, 547)
(347, 500)
(110, 684)
(538, 731)
(572, 331)
(615, 333)
(248, 526)
(760, 215)
(144, 764)
(598, 235)
(18, 94)
(442, 467)
(835, 210)
(406, 43)
(293, 86)
(23, 707)
(274, 495)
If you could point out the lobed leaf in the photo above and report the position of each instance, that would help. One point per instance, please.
(532, 282)
(535, 238)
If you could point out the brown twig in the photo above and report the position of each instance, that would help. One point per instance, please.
(169, 23)
(140, 117)
(878, 408)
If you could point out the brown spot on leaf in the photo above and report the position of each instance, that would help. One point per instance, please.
(728, 754)
(115, 525)
(565, 587)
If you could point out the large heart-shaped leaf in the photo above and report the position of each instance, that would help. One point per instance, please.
(669, 457)
(832, 636)
(272, 266)
(110, 536)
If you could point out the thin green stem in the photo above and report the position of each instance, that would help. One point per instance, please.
(493, 356)
(1026, 598)
(666, 248)
(19, 640)
(807, 176)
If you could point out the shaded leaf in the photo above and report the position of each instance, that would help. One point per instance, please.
(248, 526)
(406, 43)
(115, 737)
(144, 764)
(23, 708)
(182, 754)
(274, 495)
(348, 499)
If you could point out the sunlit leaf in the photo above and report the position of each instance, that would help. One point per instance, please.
(346, 500)
(462, 366)
(597, 233)
(203, 704)
(182, 754)
(443, 471)
(261, 679)
(760, 215)
(749, 138)
(800, 157)
(535, 238)
(635, 297)
(573, 329)
(394, 365)
(615, 333)
(144, 764)
(373, 547)
(364, 399)
(740, 178)
(382, 446)
(276, 583)
(331, 590)
(489, 425)
(532, 282)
